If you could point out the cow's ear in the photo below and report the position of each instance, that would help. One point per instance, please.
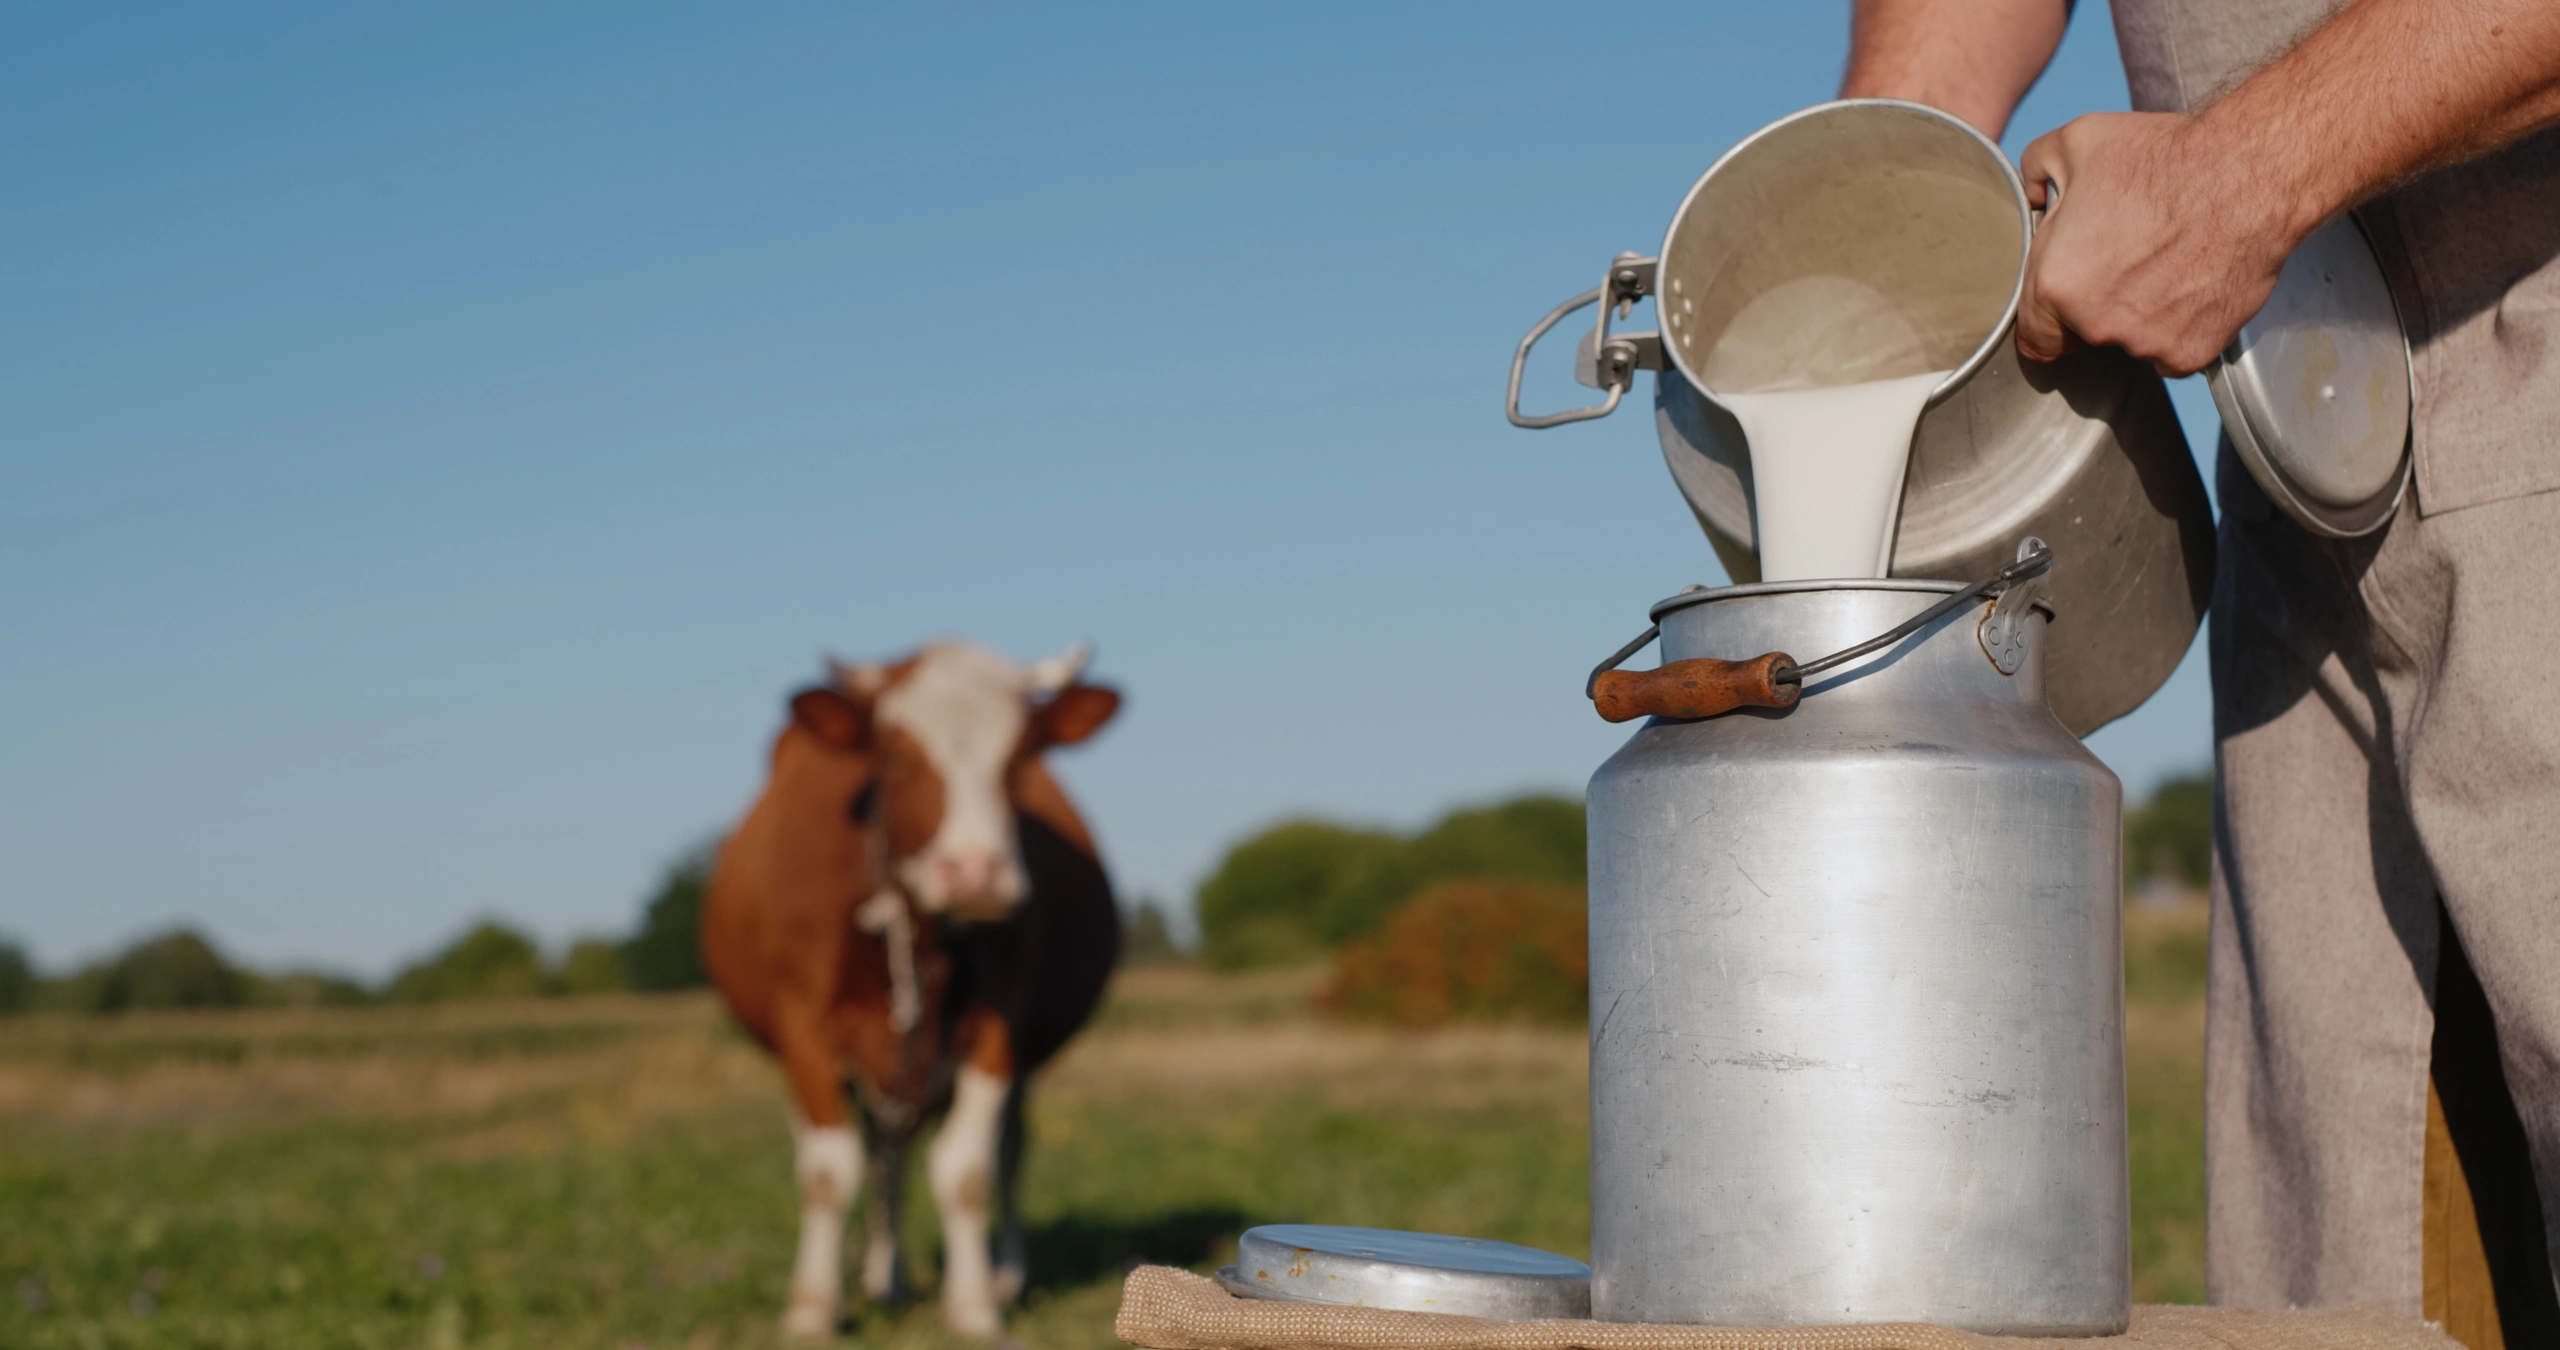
(832, 717)
(1074, 713)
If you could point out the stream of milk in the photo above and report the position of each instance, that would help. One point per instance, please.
(1828, 378)
(1826, 473)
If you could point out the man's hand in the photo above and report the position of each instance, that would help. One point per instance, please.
(2154, 241)
(2172, 229)
(2175, 228)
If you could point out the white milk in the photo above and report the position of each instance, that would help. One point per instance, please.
(1828, 379)
(1826, 473)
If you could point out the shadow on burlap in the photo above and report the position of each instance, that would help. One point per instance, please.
(1162, 1308)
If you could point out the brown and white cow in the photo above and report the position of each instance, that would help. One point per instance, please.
(913, 919)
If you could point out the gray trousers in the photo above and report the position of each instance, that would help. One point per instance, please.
(2387, 740)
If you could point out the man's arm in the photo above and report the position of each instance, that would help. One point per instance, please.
(1973, 58)
(2173, 229)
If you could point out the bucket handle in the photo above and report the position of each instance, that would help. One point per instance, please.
(1612, 360)
(1699, 687)
(1704, 686)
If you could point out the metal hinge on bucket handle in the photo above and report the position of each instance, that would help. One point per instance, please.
(2003, 631)
(1604, 360)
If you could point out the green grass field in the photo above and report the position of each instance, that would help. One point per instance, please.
(614, 1172)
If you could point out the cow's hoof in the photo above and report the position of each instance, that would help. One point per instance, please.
(893, 1290)
(975, 1321)
(1008, 1283)
(809, 1319)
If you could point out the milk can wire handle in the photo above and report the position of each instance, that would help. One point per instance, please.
(1590, 687)
(2031, 562)
(2034, 558)
(1616, 359)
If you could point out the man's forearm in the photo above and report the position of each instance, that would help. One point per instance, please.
(1973, 58)
(2388, 89)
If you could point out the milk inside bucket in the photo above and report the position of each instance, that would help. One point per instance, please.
(1828, 279)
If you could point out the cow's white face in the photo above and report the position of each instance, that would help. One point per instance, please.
(963, 710)
(948, 729)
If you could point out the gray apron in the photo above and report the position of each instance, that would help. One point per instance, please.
(2387, 735)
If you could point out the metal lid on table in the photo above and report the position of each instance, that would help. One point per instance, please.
(2315, 390)
(1412, 1272)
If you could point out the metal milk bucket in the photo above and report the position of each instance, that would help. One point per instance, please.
(2085, 452)
(1857, 1044)
(1861, 240)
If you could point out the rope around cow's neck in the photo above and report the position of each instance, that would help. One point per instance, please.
(885, 913)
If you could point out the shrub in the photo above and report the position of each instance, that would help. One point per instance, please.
(1295, 890)
(177, 969)
(17, 979)
(1302, 888)
(305, 989)
(667, 951)
(490, 961)
(1146, 939)
(592, 966)
(1527, 839)
(1475, 950)
(2171, 835)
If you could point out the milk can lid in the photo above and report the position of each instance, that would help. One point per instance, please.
(2314, 392)
(1414, 1272)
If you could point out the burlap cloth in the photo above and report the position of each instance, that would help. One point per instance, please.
(1162, 1308)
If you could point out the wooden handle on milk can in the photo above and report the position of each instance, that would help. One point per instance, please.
(1698, 687)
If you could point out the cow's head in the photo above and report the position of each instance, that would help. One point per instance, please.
(946, 729)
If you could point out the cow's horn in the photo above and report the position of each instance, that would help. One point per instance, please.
(1057, 672)
(864, 680)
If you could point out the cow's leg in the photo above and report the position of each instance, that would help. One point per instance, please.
(828, 1166)
(962, 1169)
(884, 1265)
(1012, 1251)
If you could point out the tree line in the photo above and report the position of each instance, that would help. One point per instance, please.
(1304, 887)
(1482, 914)
(1480, 908)
(182, 968)
(1301, 889)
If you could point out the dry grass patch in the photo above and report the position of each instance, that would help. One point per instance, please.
(615, 1063)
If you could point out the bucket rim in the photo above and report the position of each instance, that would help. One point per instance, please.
(1705, 595)
(1850, 106)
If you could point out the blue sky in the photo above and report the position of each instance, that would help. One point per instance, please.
(434, 439)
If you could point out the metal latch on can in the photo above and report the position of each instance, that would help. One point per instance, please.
(2003, 632)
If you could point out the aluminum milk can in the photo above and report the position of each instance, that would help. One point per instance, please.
(1857, 1046)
